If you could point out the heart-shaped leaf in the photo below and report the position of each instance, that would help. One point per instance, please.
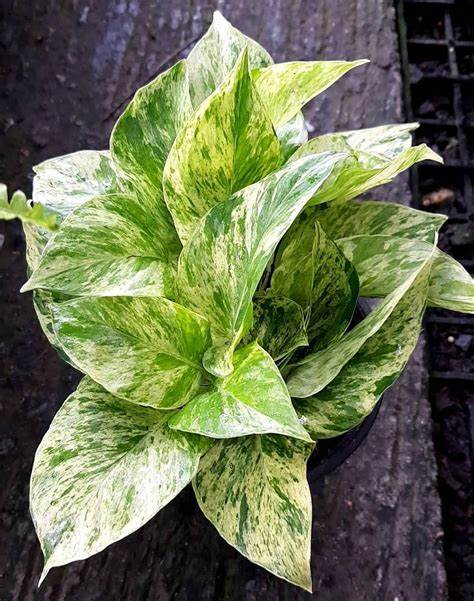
(252, 400)
(144, 350)
(254, 491)
(104, 468)
(228, 144)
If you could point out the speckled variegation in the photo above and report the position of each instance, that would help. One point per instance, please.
(353, 393)
(214, 56)
(252, 400)
(221, 265)
(278, 325)
(108, 247)
(363, 169)
(286, 87)
(317, 370)
(104, 468)
(142, 138)
(144, 350)
(369, 218)
(311, 270)
(228, 144)
(254, 490)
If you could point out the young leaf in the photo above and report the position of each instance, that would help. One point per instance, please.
(228, 144)
(144, 350)
(278, 325)
(362, 170)
(254, 490)
(369, 217)
(352, 395)
(383, 262)
(215, 55)
(311, 270)
(317, 370)
(64, 183)
(143, 136)
(286, 87)
(21, 208)
(104, 468)
(221, 265)
(252, 400)
(107, 247)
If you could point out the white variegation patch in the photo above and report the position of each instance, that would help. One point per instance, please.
(19, 207)
(221, 264)
(254, 490)
(252, 400)
(104, 468)
(144, 350)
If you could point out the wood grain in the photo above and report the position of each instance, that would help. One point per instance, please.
(66, 66)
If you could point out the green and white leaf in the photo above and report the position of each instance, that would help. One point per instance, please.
(286, 87)
(142, 138)
(353, 393)
(370, 217)
(19, 207)
(317, 370)
(254, 490)
(228, 144)
(107, 247)
(144, 350)
(291, 135)
(64, 183)
(362, 171)
(104, 468)
(383, 262)
(252, 400)
(311, 270)
(278, 325)
(221, 265)
(215, 55)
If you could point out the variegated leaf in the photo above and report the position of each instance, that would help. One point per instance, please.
(144, 350)
(317, 370)
(64, 183)
(228, 144)
(311, 270)
(221, 265)
(353, 393)
(278, 325)
(363, 170)
(108, 247)
(383, 262)
(214, 56)
(369, 217)
(252, 400)
(142, 138)
(286, 87)
(291, 135)
(254, 490)
(19, 207)
(104, 468)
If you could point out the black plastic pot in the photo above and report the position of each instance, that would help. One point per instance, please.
(330, 453)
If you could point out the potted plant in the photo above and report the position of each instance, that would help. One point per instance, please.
(202, 275)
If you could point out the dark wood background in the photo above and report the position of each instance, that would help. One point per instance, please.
(66, 66)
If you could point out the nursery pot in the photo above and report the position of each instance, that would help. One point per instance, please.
(330, 453)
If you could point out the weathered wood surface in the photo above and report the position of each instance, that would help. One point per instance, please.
(65, 66)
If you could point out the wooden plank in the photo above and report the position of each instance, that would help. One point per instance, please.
(67, 66)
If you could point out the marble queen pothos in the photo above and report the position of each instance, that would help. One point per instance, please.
(202, 274)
